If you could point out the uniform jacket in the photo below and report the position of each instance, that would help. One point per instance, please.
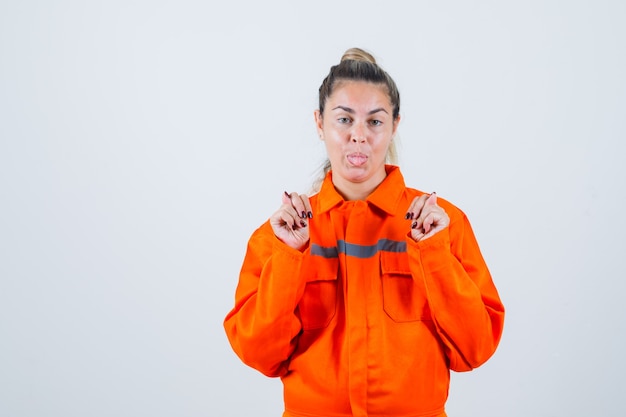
(364, 321)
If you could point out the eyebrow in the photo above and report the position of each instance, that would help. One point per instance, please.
(351, 111)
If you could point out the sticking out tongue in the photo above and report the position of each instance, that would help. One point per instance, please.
(357, 159)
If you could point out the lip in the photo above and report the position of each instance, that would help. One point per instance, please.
(356, 159)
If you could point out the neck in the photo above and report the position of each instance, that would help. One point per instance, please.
(352, 191)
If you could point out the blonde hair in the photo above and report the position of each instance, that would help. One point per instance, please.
(358, 65)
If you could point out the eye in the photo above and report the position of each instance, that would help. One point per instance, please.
(376, 122)
(344, 120)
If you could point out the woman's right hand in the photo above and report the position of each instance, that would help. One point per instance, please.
(291, 222)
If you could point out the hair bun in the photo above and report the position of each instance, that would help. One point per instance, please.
(357, 54)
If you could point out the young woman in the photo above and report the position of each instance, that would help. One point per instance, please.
(362, 297)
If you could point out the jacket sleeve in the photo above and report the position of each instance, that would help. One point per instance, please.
(463, 300)
(262, 326)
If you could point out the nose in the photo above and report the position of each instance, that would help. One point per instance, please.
(358, 135)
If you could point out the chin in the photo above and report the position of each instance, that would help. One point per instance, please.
(357, 174)
(360, 170)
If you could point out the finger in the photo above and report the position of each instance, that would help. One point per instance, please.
(284, 218)
(287, 215)
(419, 210)
(307, 205)
(430, 204)
(417, 234)
(432, 199)
(429, 222)
(300, 202)
(287, 224)
(286, 198)
(427, 228)
(416, 207)
(432, 219)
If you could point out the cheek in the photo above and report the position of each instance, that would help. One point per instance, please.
(335, 140)
(334, 149)
(382, 141)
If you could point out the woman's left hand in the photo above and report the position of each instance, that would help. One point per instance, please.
(427, 217)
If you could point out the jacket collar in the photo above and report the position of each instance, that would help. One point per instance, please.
(386, 196)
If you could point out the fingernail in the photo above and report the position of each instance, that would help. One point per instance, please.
(287, 194)
(303, 215)
(302, 223)
(408, 216)
(414, 225)
(310, 215)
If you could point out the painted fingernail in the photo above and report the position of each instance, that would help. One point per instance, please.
(407, 216)
(414, 225)
(310, 215)
(303, 214)
(302, 223)
(287, 194)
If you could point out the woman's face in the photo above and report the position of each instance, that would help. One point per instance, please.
(357, 127)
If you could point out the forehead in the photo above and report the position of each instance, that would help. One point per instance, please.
(361, 92)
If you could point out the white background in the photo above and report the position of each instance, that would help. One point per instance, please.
(141, 143)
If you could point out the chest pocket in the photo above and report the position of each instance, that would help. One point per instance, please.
(404, 297)
(318, 304)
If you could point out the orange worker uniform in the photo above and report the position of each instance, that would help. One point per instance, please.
(364, 321)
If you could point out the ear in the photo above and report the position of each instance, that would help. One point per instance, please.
(319, 124)
(396, 122)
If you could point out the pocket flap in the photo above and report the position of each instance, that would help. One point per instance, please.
(318, 268)
(395, 263)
